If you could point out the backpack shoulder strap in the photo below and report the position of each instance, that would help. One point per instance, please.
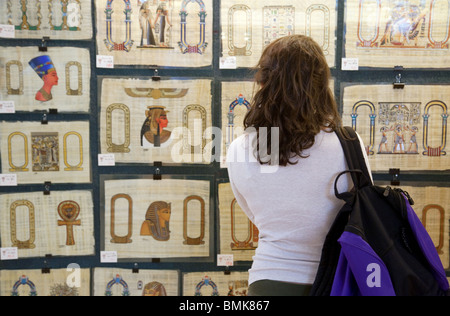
(354, 155)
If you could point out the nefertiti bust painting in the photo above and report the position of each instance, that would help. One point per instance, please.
(156, 222)
(153, 133)
(45, 69)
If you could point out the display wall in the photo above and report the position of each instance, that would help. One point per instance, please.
(166, 207)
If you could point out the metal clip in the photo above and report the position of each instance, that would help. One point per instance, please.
(398, 83)
(156, 76)
(43, 47)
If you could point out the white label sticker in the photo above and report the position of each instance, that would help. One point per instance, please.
(108, 256)
(225, 260)
(9, 253)
(105, 61)
(8, 180)
(351, 64)
(228, 62)
(7, 107)
(106, 160)
(7, 31)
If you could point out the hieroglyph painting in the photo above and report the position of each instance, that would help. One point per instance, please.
(60, 224)
(157, 219)
(57, 79)
(389, 33)
(249, 26)
(238, 235)
(236, 98)
(143, 121)
(215, 284)
(176, 33)
(57, 152)
(122, 282)
(72, 281)
(57, 19)
(401, 128)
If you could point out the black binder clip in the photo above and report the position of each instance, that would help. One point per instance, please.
(43, 47)
(395, 173)
(157, 175)
(44, 120)
(156, 76)
(45, 269)
(398, 83)
(136, 269)
(47, 186)
(227, 271)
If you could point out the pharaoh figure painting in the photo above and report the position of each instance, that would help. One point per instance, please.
(167, 218)
(175, 33)
(143, 121)
(57, 79)
(401, 128)
(249, 26)
(57, 19)
(389, 33)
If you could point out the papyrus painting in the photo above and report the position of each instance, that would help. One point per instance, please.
(408, 33)
(249, 26)
(57, 19)
(401, 128)
(176, 33)
(57, 152)
(122, 282)
(56, 79)
(236, 98)
(157, 219)
(72, 281)
(143, 121)
(238, 235)
(59, 224)
(215, 284)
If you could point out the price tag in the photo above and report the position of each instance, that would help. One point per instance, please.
(351, 64)
(108, 256)
(225, 260)
(9, 253)
(7, 107)
(106, 160)
(105, 61)
(8, 180)
(227, 62)
(7, 31)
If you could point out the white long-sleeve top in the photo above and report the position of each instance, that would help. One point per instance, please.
(293, 206)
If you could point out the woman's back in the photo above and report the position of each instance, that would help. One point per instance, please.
(293, 206)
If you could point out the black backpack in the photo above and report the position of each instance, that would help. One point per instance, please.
(379, 216)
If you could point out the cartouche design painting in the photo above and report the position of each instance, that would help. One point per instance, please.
(38, 81)
(57, 19)
(70, 282)
(57, 152)
(60, 224)
(174, 33)
(408, 33)
(143, 282)
(143, 121)
(156, 219)
(401, 128)
(249, 26)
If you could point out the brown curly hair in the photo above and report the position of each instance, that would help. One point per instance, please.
(293, 95)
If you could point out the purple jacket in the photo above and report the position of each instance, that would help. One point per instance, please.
(361, 271)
